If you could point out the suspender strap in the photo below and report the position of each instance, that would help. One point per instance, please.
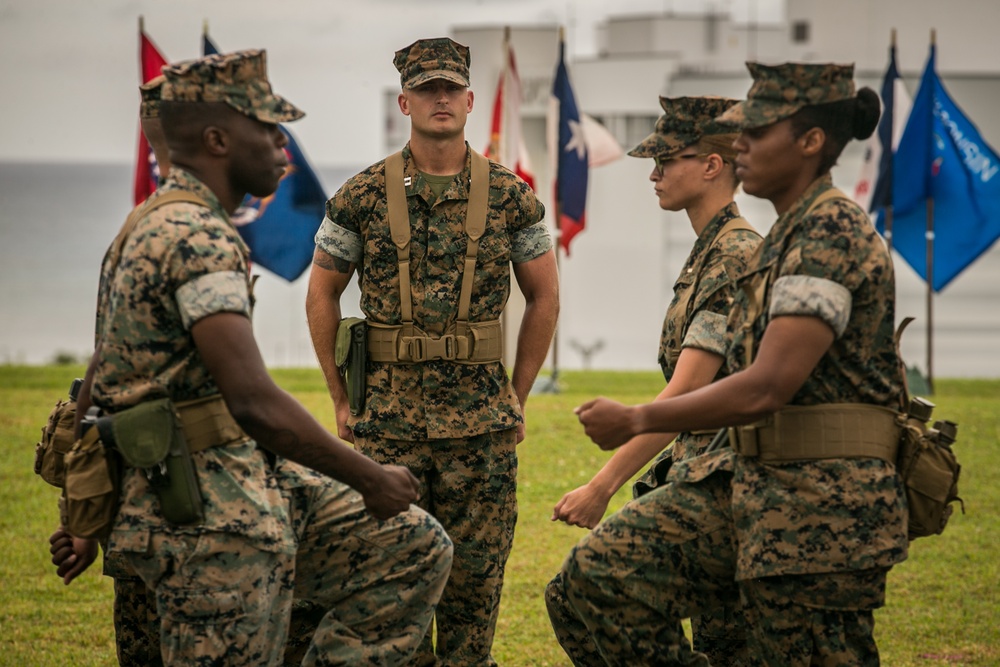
(833, 431)
(399, 227)
(147, 207)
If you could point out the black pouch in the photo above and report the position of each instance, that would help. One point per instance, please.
(150, 437)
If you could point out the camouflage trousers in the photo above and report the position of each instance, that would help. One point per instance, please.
(223, 600)
(469, 486)
(671, 554)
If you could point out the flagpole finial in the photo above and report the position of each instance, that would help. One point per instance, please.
(933, 37)
(142, 24)
(204, 26)
(562, 34)
(892, 38)
(506, 33)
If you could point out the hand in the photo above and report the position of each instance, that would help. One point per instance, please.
(521, 432)
(608, 423)
(398, 489)
(584, 507)
(71, 555)
(343, 430)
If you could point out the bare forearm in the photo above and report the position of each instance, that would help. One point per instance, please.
(629, 459)
(533, 340)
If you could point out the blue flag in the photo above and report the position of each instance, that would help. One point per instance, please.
(280, 229)
(943, 158)
(571, 160)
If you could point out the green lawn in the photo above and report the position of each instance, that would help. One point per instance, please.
(943, 603)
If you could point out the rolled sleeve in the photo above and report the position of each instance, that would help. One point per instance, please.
(339, 242)
(707, 332)
(531, 242)
(218, 292)
(812, 296)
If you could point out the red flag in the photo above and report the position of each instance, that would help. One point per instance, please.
(150, 64)
(506, 140)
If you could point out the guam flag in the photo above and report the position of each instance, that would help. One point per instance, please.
(279, 229)
(147, 172)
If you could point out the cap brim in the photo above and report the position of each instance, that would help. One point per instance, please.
(748, 114)
(276, 110)
(658, 145)
(431, 75)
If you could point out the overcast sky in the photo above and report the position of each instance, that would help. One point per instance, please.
(69, 68)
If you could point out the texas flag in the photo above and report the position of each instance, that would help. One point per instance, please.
(571, 156)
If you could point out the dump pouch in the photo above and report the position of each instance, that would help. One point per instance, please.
(57, 439)
(351, 357)
(149, 436)
(92, 486)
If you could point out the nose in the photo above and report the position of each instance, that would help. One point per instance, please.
(280, 138)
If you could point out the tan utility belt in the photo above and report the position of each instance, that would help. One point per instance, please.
(207, 423)
(834, 431)
(465, 343)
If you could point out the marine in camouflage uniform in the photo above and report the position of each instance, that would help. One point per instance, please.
(696, 317)
(453, 424)
(809, 542)
(271, 527)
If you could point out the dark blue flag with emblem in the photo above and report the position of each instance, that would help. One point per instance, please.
(279, 229)
(943, 159)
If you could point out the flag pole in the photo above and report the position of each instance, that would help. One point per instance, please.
(892, 157)
(930, 278)
(559, 250)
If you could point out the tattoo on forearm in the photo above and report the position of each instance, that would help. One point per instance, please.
(331, 263)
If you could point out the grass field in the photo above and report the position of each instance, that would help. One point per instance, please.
(943, 603)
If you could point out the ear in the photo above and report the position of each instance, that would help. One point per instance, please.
(471, 98)
(812, 141)
(713, 166)
(404, 104)
(216, 140)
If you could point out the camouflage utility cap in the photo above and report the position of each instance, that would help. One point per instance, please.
(429, 59)
(150, 94)
(238, 79)
(685, 121)
(779, 91)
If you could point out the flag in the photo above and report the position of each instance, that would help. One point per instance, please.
(602, 147)
(280, 229)
(873, 191)
(506, 139)
(571, 156)
(942, 158)
(146, 169)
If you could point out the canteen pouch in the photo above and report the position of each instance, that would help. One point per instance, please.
(929, 470)
(149, 436)
(92, 486)
(351, 357)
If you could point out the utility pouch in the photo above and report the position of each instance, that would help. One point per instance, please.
(149, 436)
(351, 356)
(929, 470)
(92, 486)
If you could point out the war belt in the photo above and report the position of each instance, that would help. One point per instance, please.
(833, 431)
(465, 343)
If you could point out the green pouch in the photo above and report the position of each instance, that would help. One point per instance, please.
(351, 356)
(149, 436)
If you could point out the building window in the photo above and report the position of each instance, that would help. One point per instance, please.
(800, 32)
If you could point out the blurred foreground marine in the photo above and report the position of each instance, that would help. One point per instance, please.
(434, 232)
(232, 497)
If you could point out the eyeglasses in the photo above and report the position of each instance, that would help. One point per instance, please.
(662, 161)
